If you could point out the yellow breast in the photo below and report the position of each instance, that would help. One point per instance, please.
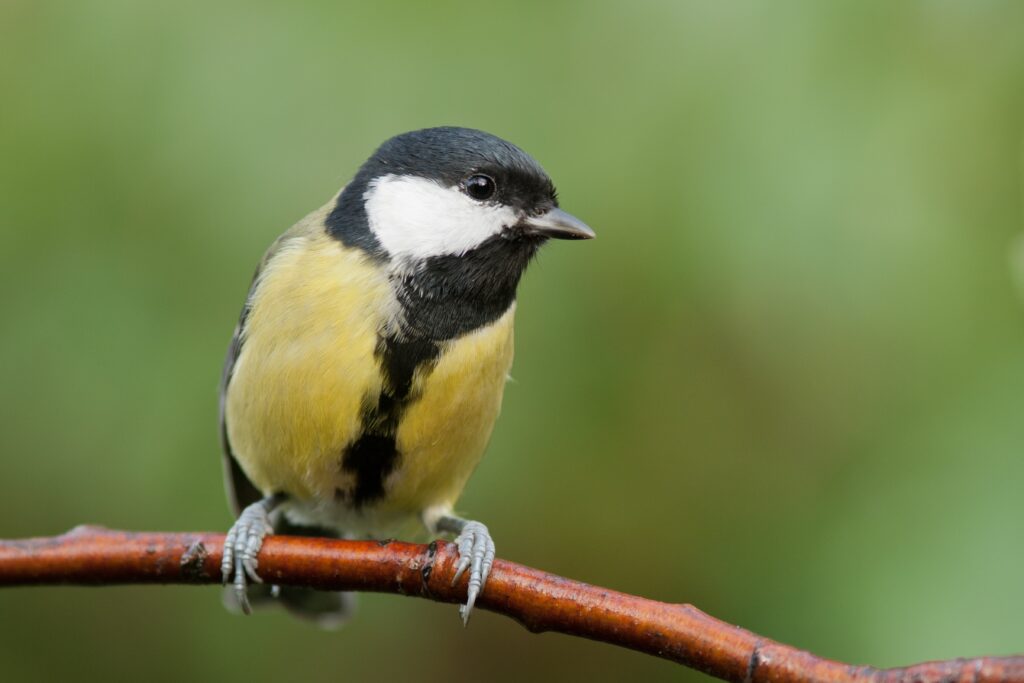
(296, 391)
(307, 370)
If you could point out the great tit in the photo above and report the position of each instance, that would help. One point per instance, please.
(367, 368)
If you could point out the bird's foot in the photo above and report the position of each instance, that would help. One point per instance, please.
(242, 545)
(476, 553)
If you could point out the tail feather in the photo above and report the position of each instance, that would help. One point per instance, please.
(327, 609)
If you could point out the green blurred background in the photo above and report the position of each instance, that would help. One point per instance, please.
(786, 383)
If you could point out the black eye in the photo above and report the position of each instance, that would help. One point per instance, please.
(480, 187)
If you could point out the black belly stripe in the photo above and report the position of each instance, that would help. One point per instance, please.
(445, 298)
(374, 454)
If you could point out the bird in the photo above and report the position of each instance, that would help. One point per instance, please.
(366, 371)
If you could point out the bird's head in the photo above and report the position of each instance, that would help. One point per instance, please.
(448, 191)
(455, 215)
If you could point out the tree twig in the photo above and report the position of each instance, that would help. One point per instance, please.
(538, 600)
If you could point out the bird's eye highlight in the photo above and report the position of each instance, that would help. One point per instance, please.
(480, 187)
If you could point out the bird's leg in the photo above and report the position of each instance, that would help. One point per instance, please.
(476, 553)
(243, 543)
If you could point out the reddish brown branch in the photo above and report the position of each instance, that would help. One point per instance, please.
(539, 601)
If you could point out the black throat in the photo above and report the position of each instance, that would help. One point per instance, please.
(444, 297)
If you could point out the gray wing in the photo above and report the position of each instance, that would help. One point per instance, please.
(241, 492)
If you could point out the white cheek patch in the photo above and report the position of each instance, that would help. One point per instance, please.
(418, 218)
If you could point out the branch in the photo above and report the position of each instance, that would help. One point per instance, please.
(537, 600)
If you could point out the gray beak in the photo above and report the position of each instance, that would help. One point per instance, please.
(558, 224)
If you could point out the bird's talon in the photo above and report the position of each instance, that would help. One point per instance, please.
(241, 547)
(250, 572)
(461, 569)
(476, 553)
(243, 602)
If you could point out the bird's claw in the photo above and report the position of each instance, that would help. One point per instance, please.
(241, 546)
(476, 553)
